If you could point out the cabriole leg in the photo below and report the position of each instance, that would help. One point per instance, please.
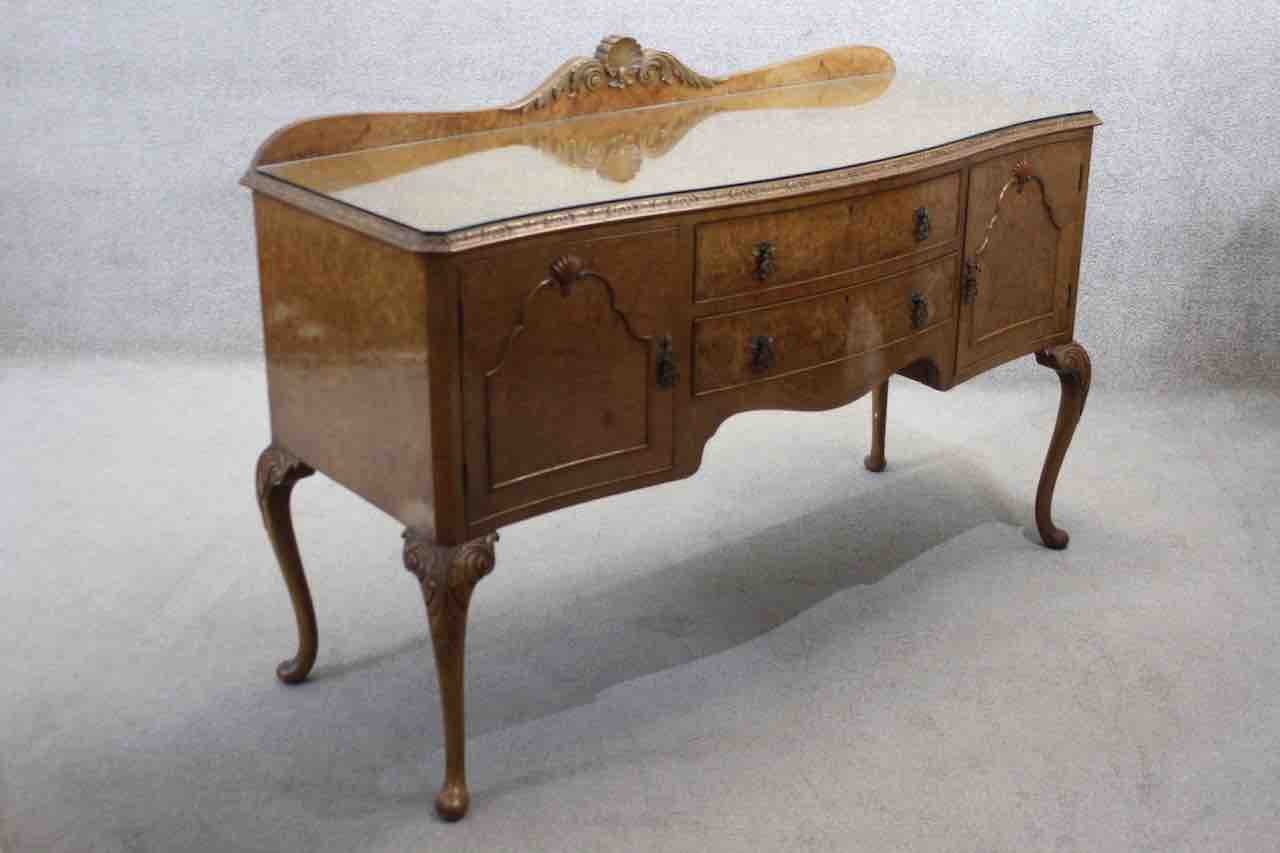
(277, 471)
(448, 575)
(879, 411)
(1071, 362)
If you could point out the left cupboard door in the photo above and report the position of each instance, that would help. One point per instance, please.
(573, 354)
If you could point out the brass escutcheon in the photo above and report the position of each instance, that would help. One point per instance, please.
(763, 252)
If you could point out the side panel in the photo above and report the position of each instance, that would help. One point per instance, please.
(345, 330)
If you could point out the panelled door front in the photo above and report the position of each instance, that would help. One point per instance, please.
(571, 352)
(1022, 249)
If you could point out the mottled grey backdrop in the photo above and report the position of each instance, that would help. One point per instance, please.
(126, 126)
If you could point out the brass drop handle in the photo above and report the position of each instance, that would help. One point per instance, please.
(922, 224)
(668, 370)
(969, 283)
(919, 310)
(763, 356)
(763, 253)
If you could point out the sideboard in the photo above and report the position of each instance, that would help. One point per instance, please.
(471, 318)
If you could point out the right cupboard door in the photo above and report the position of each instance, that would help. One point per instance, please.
(1023, 234)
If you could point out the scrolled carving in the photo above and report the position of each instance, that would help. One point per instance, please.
(473, 560)
(657, 66)
(454, 568)
(619, 63)
(276, 466)
(1070, 359)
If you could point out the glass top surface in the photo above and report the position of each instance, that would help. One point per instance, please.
(458, 182)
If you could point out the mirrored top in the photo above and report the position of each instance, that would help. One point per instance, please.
(458, 182)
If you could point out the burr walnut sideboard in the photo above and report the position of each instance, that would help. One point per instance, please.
(472, 318)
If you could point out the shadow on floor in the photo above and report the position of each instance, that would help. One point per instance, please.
(358, 749)
(690, 610)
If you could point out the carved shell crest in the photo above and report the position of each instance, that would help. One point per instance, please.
(619, 63)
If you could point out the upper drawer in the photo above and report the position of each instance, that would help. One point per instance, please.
(800, 334)
(761, 252)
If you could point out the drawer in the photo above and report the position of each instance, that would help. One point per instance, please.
(778, 340)
(754, 253)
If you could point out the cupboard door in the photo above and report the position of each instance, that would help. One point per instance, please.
(1022, 250)
(570, 356)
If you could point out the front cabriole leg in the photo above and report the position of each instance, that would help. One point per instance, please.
(277, 472)
(1071, 362)
(448, 575)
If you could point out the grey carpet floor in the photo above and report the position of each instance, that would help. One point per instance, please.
(784, 652)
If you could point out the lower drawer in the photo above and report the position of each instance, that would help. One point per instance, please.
(778, 340)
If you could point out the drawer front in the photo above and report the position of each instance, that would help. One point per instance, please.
(562, 383)
(778, 340)
(756, 253)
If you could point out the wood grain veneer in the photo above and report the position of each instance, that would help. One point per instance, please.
(810, 241)
(828, 327)
(466, 380)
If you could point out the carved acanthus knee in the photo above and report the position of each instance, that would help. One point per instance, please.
(453, 569)
(449, 574)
